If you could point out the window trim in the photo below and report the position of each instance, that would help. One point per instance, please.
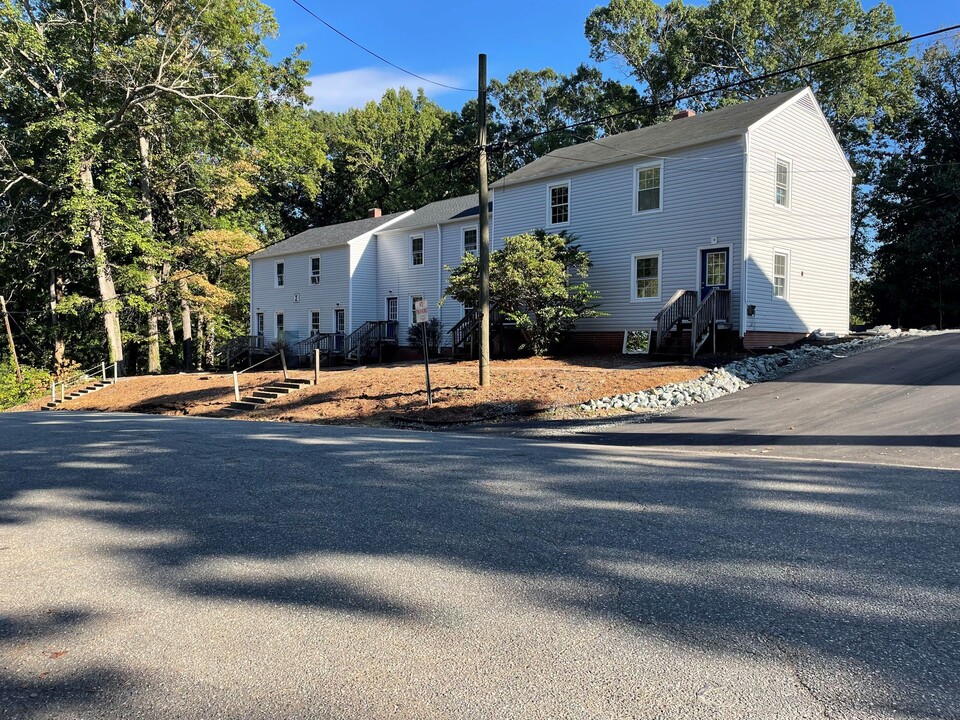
(786, 276)
(423, 252)
(260, 323)
(549, 218)
(340, 312)
(386, 307)
(276, 276)
(776, 168)
(463, 239)
(276, 325)
(310, 274)
(633, 276)
(310, 321)
(636, 187)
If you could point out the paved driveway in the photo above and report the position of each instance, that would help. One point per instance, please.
(159, 567)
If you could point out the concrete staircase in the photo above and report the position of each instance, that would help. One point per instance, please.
(264, 395)
(93, 387)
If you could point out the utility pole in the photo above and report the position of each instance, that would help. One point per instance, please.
(484, 193)
(13, 348)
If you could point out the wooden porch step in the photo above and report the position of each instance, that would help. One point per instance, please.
(265, 394)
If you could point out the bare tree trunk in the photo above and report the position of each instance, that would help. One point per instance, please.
(146, 197)
(108, 293)
(56, 294)
(186, 321)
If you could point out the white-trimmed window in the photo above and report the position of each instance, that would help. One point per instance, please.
(781, 272)
(314, 322)
(782, 196)
(416, 250)
(279, 326)
(558, 197)
(645, 283)
(648, 187)
(314, 269)
(260, 324)
(471, 241)
(392, 313)
(278, 268)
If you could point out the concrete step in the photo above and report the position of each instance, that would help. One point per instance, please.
(242, 405)
(265, 394)
(254, 400)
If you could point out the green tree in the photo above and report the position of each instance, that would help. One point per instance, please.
(538, 280)
(916, 269)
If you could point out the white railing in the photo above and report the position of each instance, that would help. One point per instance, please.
(237, 374)
(82, 377)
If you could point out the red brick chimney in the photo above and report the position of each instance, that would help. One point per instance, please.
(684, 114)
(374, 212)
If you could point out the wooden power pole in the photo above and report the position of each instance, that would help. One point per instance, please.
(13, 348)
(484, 225)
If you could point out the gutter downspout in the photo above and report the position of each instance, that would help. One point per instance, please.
(746, 231)
(439, 272)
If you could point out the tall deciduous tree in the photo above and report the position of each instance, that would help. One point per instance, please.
(916, 270)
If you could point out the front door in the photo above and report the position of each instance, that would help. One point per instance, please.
(339, 325)
(392, 316)
(714, 270)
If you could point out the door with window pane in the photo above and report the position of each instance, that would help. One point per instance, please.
(714, 270)
(339, 326)
(392, 316)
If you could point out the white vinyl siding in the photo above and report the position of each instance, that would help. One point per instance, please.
(558, 202)
(814, 234)
(701, 200)
(646, 277)
(397, 277)
(648, 187)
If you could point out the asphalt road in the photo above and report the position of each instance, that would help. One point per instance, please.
(896, 405)
(159, 567)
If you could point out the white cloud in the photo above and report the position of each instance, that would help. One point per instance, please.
(354, 88)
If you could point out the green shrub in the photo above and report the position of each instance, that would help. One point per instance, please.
(35, 384)
(434, 336)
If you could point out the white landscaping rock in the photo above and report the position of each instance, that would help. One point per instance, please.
(741, 374)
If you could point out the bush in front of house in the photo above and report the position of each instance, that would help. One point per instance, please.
(434, 336)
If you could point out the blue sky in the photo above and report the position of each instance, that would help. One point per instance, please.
(441, 40)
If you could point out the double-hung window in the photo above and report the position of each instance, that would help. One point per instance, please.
(278, 277)
(646, 277)
(280, 326)
(416, 250)
(314, 322)
(781, 264)
(315, 270)
(414, 299)
(559, 196)
(471, 244)
(648, 186)
(782, 196)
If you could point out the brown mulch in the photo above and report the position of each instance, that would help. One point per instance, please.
(383, 394)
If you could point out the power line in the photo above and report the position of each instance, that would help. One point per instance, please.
(371, 52)
(729, 86)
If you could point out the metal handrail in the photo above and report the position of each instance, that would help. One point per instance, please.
(79, 377)
(678, 308)
(237, 374)
(714, 306)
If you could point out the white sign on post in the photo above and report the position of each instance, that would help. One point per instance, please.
(423, 312)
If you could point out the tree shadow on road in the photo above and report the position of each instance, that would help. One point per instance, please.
(841, 562)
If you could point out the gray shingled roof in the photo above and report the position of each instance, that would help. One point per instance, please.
(441, 211)
(652, 140)
(326, 236)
